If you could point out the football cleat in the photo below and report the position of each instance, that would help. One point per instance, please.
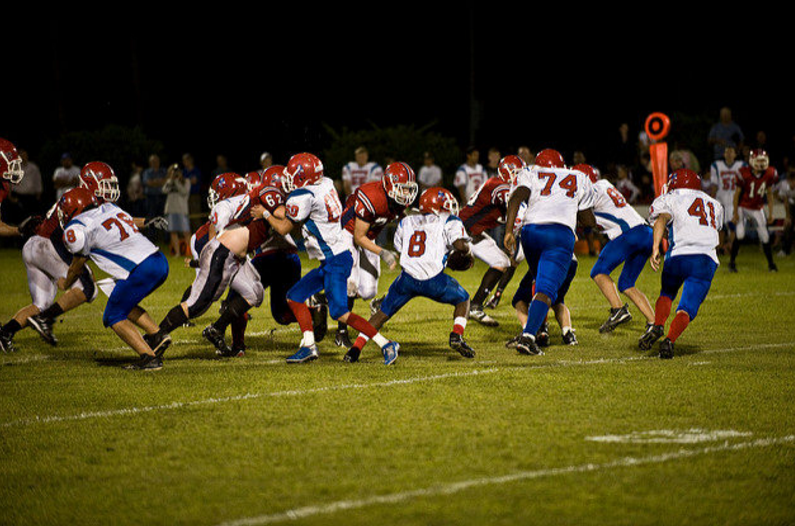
(511, 344)
(352, 356)
(481, 317)
(732, 268)
(570, 339)
(304, 354)
(158, 342)
(342, 339)
(772, 268)
(542, 338)
(527, 345)
(7, 343)
(147, 362)
(43, 326)
(214, 336)
(375, 305)
(390, 351)
(494, 301)
(457, 343)
(666, 349)
(652, 334)
(617, 317)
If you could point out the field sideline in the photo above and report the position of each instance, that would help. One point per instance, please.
(594, 434)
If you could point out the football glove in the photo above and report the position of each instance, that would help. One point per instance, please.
(28, 227)
(159, 222)
(388, 257)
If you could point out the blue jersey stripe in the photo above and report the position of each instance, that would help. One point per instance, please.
(315, 231)
(620, 222)
(121, 261)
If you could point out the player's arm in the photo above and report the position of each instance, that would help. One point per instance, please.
(277, 220)
(8, 230)
(360, 229)
(75, 269)
(659, 231)
(519, 196)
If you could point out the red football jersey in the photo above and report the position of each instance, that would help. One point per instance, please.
(259, 231)
(50, 227)
(486, 207)
(754, 187)
(5, 189)
(371, 204)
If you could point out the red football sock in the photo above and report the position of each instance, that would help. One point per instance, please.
(361, 325)
(681, 320)
(360, 342)
(302, 315)
(662, 310)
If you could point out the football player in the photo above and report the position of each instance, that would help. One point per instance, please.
(630, 243)
(424, 242)
(12, 173)
(313, 202)
(556, 199)
(723, 179)
(275, 265)
(754, 184)
(359, 171)
(692, 219)
(108, 236)
(484, 211)
(371, 207)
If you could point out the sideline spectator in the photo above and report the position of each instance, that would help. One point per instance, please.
(178, 189)
(494, 163)
(624, 149)
(430, 174)
(30, 188)
(135, 200)
(66, 176)
(265, 160)
(221, 166)
(526, 155)
(725, 133)
(469, 176)
(153, 179)
(786, 194)
(360, 171)
(625, 185)
(194, 176)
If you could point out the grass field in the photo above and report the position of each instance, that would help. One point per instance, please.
(600, 433)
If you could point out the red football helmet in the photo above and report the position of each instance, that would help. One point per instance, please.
(254, 180)
(684, 178)
(10, 163)
(225, 186)
(99, 178)
(550, 159)
(400, 183)
(759, 160)
(588, 170)
(302, 169)
(436, 200)
(75, 202)
(509, 168)
(273, 177)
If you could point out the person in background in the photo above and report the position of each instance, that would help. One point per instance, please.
(134, 197)
(221, 166)
(786, 193)
(430, 174)
(725, 133)
(526, 154)
(469, 175)
(265, 160)
(29, 190)
(177, 189)
(153, 179)
(625, 185)
(493, 163)
(195, 201)
(66, 176)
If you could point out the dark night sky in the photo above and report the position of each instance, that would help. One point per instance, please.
(240, 82)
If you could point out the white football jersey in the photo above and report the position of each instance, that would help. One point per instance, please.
(556, 195)
(471, 176)
(228, 211)
(358, 175)
(108, 236)
(612, 211)
(424, 241)
(318, 207)
(724, 178)
(695, 220)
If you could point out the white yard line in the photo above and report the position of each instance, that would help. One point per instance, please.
(248, 396)
(26, 359)
(456, 487)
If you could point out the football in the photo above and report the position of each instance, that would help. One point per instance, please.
(458, 260)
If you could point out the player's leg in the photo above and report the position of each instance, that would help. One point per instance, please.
(311, 283)
(611, 256)
(124, 303)
(249, 292)
(641, 249)
(520, 302)
(400, 292)
(700, 271)
(673, 275)
(486, 250)
(562, 313)
(760, 220)
(363, 283)
(554, 245)
(739, 235)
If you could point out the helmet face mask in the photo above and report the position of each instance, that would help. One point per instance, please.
(759, 160)
(99, 178)
(10, 163)
(400, 183)
(109, 190)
